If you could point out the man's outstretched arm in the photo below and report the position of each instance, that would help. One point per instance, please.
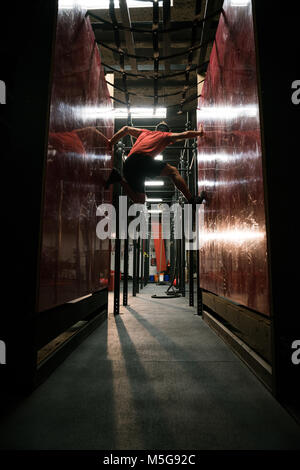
(187, 135)
(134, 131)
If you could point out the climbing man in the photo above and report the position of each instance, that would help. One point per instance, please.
(140, 162)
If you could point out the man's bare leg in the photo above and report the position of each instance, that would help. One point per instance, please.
(173, 173)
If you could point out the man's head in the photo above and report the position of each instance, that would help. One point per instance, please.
(162, 127)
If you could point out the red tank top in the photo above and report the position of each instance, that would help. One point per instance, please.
(151, 142)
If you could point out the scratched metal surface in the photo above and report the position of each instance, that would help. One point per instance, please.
(74, 262)
(233, 239)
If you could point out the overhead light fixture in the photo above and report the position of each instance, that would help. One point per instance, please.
(158, 157)
(89, 113)
(158, 199)
(137, 113)
(103, 4)
(101, 112)
(154, 183)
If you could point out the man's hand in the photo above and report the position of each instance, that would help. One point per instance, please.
(187, 135)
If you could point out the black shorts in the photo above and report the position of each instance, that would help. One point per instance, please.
(139, 166)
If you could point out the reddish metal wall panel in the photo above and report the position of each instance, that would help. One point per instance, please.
(234, 251)
(74, 262)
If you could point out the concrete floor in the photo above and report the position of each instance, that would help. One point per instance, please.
(155, 377)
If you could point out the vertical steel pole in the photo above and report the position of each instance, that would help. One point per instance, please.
(182, 240)
(191, 278)
(138, 266)
(191, 252)
(183, 259)
(199, 290)
(147, 259)
(125, 274)
(142, 265)
(116, 194)
(198, 265)
(146, 263)
(172, 248)
(134, 269)
(117, 264)
(179, 270)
